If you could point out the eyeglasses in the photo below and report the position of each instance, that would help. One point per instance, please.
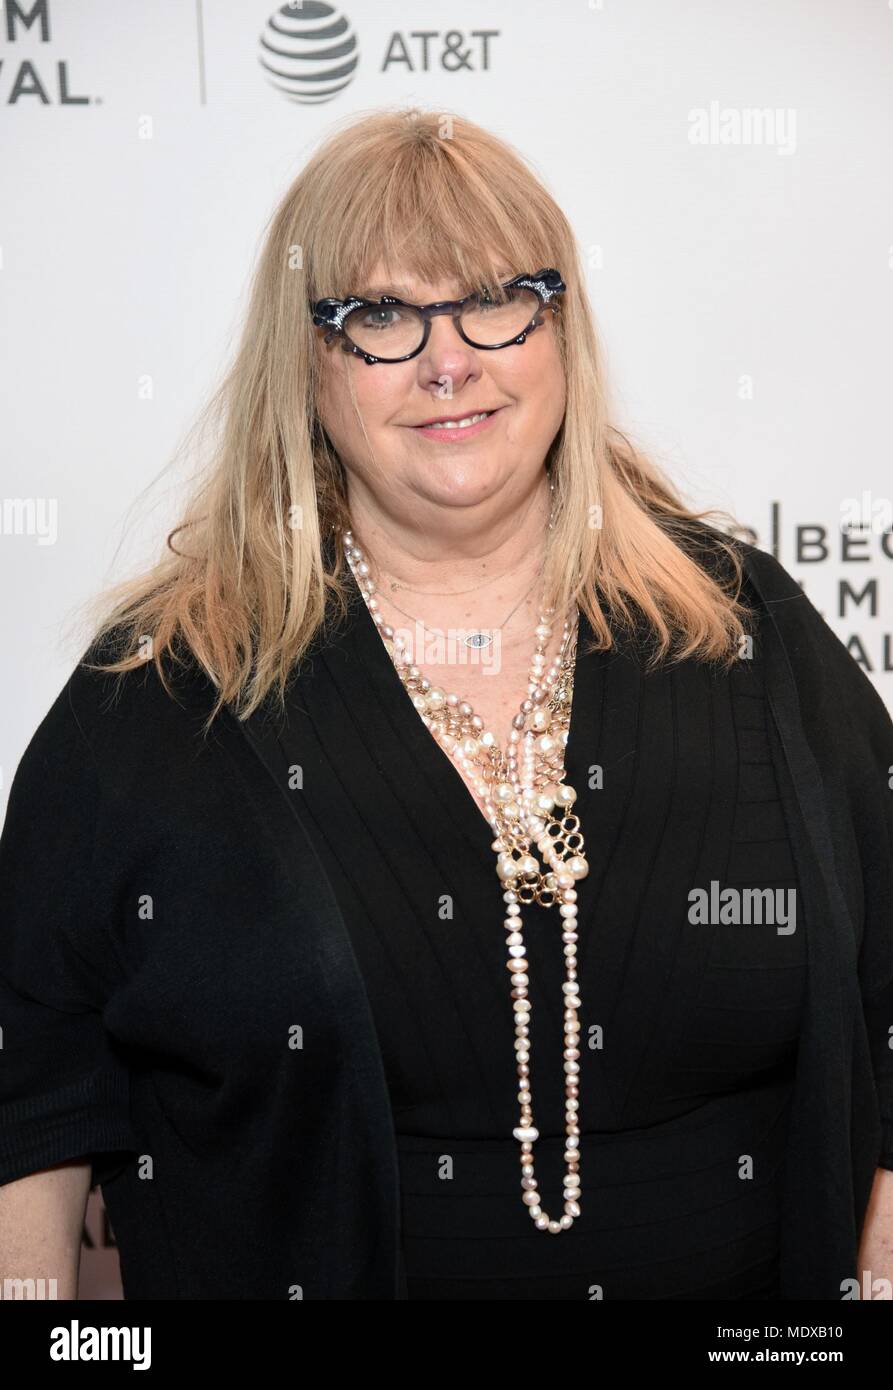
(390, 330)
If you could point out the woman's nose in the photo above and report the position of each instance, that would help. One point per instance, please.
(446, 353)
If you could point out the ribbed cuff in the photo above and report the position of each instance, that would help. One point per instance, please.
(87, 1116)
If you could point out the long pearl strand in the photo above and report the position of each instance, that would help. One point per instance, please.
(525, 798)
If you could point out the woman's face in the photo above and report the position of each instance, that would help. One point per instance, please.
(521, 385)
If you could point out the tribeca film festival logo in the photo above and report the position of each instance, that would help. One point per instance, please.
(310, 52)
(743, 125)
(860, 541)
(29, 78)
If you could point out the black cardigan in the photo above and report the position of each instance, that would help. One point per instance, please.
(177, 983)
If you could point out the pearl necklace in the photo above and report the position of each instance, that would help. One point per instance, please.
(525, 799)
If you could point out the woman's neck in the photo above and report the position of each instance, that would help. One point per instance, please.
(456, 571)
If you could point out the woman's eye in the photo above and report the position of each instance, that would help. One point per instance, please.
(377, 318)
(487, 301)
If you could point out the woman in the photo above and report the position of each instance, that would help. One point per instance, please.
(437, 662)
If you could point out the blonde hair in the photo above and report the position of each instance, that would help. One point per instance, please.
(245, 587)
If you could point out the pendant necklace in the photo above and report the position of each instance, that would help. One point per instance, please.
(479, 638)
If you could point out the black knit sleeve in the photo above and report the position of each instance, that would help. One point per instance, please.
(64, 1090)
(851, 735)
(873, 818)
(857, 738)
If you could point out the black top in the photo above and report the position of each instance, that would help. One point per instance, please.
(181, 1001)
(692, 1029)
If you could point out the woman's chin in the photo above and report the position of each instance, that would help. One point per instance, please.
(461, 488)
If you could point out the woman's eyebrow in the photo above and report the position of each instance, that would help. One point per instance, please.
(376, 291)
(405, 292)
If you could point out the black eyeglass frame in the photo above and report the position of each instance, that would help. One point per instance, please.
(331, 314)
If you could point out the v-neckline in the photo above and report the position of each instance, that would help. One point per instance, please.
(437, 771)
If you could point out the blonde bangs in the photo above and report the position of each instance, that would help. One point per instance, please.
(440, 209)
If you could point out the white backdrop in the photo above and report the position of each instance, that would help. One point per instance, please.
(725, 164)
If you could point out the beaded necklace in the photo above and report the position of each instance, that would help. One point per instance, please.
(526, 801)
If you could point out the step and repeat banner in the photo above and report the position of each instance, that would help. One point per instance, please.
(725, 165)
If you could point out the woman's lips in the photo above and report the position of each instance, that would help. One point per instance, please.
(453, 435)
